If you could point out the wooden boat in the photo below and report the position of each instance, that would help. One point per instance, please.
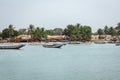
(53, 45)
(117, 44)
(11, 46)
(99, 42)
(74, 42)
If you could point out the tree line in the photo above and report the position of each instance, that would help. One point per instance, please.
(109, 30)
(78, 32)
(75, 32)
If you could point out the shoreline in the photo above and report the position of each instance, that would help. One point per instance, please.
(41, 43)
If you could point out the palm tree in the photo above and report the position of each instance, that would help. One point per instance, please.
(31, 30)
(22, 31)
(106, 30)
(37, 34)
(118, 28)
(87, 32)
(78, 32)
(11, 31)
(42, 32)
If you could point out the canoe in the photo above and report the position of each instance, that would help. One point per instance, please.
(74, 42)
(11, 46)
(52, 45)
(117, 44)
(99, 42)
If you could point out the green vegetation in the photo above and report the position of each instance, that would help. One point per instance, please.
(75, 32)
(78, 32)
(50, 32)
(100, 31)
(118, 28)
(108, 31)
(36, 33)
(9, 32)
(58, 31)
(0, 34)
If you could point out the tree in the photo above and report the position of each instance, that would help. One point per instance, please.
(112, 31)
(49, 32)
(65, 32)
(16, 33)
(0, 34)
(106, 30)
(22, 31)
(5, 33)
(86, 33)
(31, 30)
(118, 28)
(9, 32)
(58, 31)
(78, 32)
(70, 32)
(100, 32)
(37, 34)
(43, 32)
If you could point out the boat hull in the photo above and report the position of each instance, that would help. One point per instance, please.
(12, 47)
(53, 46)
(74, 43)
(117, 44)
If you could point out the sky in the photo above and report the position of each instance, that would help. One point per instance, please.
(52, 14)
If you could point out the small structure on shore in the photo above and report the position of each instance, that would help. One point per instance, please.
(56, 38)
(101, 37)
(94, 37)
(23, 38)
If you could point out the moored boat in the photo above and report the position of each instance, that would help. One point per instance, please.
(53, 45)
(117, 44)
(11, 46)
(99, 42)
(74, 42)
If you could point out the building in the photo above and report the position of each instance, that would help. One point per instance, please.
(56, 37)
(23, 38)
(102, 37)
(94, 37)
(108, 37)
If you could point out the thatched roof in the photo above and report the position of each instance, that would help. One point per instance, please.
(55, 37)
(24, 36)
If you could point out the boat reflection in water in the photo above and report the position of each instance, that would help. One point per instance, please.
(53, 45)
(11, 46)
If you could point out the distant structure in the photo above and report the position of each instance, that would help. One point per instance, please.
(23, 38)
(56, 37)
(101, 37)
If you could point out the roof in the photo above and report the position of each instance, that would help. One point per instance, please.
(55, 37)
(24, 36)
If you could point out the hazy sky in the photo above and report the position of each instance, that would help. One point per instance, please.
(59, 13)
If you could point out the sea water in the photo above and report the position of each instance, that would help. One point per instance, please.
(85, 61)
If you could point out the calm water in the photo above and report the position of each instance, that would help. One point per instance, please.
(71, 62)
